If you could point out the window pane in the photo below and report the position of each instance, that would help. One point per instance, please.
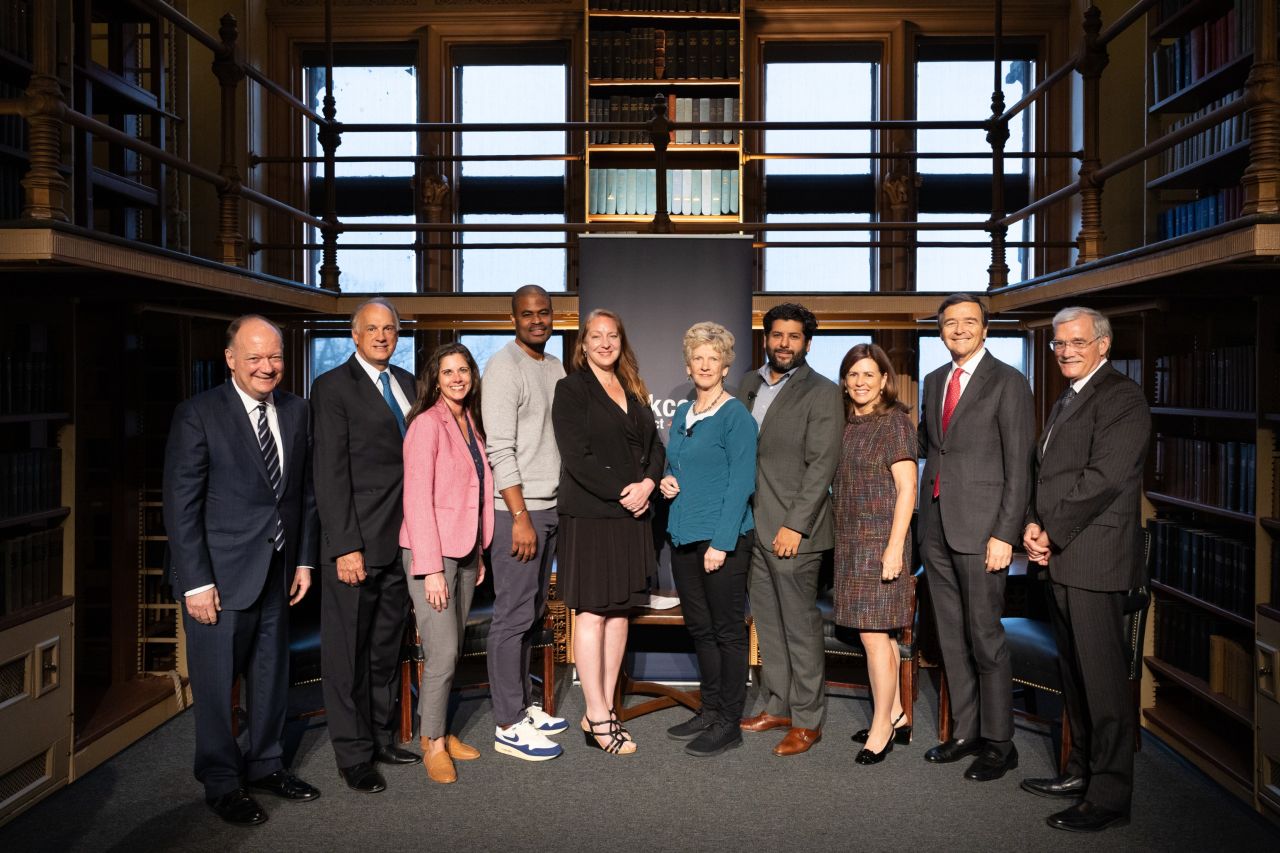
(368, 96)
(814, 269)
(828, 350)
(818, 91)
(961, 91)
(503, 270)
(512, 93)
(485, 344)
(1011, 349)
(372, 270)
(947, 270)
(330, 350)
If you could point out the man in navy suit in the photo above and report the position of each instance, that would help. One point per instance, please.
(240, 514)
(359, 413)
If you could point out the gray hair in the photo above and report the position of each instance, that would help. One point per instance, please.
(709, 334)
(377, 300)
(1101, 325)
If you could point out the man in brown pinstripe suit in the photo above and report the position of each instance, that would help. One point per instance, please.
(1084, 524)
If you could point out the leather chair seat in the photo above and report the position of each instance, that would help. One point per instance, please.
(1033, 653)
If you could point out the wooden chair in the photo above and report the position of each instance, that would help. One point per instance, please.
(474, 645)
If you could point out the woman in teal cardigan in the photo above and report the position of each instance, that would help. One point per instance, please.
(711, 473)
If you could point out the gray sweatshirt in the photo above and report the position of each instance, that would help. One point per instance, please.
(519, 441)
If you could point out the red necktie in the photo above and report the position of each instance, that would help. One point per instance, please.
(948, 407)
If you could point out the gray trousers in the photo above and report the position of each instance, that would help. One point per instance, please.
(520, 598)
(441, 635)
(968, 602)
(784, 604)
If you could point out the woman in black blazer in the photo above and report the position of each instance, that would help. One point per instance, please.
(611, 460)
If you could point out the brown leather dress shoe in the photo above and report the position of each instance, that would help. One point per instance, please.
(798, 741)
(762, 722)
(458, 750)
(440, 768)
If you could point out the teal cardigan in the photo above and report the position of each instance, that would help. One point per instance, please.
(716, 469)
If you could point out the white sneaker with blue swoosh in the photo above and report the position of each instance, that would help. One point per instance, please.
(544, 722)
(524, 741)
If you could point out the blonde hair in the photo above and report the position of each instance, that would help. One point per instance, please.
(627, 368)
(708, 333)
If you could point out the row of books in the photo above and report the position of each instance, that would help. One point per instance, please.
(30, 382)
(639, 108)
(11, 199)
(30, 570)
(1182, 636)
(726, 6)
(13, 130)
(690, 192)
(15, 27)
(1222, 206)
(1220, 378)
(1209, 142)
(30, 481)
(1203, 50)
(1214, 568)
(1216, 473)
(1131, 367)
(647, 53)
(1231, 670)
(207, 373)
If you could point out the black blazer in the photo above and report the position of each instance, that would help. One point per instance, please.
(1088, 485)
(359, 464)
(219, 508)
(984, 459)
(596, 460)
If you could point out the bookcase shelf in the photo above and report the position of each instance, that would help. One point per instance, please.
(666, 83)
(1221, 167)
(1183, 503)
(1188, 16)
(56, 514)
(1216, 414)
(681, 151)
(1206, 743)
(666, 16)
(1220, 612)
(1215, 84)
(1272, 525)
(34, 417)
(1200, 688)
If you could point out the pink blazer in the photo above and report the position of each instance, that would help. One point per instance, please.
(441, 494)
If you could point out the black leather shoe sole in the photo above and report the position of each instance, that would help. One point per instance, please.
(984, 770)
(395, 755)
(364, 778)
(238, 809)
(1097, 825)
(1052, 789)
(711, 750)
(950, 751)
(286, 787)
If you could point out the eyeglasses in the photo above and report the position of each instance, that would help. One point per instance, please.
(1076, 344)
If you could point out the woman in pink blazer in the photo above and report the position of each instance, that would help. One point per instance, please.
(447, 525)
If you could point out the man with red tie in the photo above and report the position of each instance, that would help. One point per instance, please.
(977, 429)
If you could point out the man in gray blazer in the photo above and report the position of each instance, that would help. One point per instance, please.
(801, 422)
(1084, 524)
(977, 427)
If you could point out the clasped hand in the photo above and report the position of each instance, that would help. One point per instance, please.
(1035, 540)
(635, 497)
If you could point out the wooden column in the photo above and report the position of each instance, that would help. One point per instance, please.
(434, 206)
(1093, 59)
(230, 237)
(44, 190)
(1262, 176)
(998, 136)
(660, 135)
(329, 139)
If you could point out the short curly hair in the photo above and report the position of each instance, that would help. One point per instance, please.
(710, 334)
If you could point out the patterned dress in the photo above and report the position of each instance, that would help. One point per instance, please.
(863, 499)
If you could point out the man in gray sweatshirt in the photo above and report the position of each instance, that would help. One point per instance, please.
(519, 382)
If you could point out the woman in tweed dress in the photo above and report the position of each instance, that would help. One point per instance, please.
(874, 496)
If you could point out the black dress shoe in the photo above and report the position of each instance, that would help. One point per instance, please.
(363, 777)
(1086, 817)
(1060, 786)
(238, 808)
(866, 756)
(284, 784)
(992, 763)
(395, 755)
(953, 750)
(690, 728)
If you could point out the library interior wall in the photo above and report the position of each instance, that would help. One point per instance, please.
(1123, 123)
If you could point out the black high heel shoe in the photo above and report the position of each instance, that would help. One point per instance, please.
(613, 732)
(866, 756)
(901, 734)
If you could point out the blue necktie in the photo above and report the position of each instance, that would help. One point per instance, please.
(385, 378)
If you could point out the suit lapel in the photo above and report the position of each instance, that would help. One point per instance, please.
(981, 374)
(238, 424)
(933, 403)
(1090, 388)
(601, 395)
(789, 390)
(441, 411)
(372, 392)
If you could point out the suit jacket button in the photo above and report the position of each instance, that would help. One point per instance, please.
(944, 451)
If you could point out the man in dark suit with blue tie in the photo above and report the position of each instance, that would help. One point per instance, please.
(1084, 524)
(240, 515)
(359, 409)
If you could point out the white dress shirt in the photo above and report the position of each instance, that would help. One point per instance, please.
(396, 390)
(1076, 386)
(966, 373)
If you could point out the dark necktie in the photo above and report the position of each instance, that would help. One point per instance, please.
(271, 456)
(1064, 402)
(385, 378)
(948, 409)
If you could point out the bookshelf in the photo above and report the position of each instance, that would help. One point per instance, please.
(1210, 493)
(690, 54)
(36, 645)
(1200, 55)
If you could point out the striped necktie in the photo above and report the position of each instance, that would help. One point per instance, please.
(271, 456)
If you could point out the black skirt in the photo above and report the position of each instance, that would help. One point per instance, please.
(603, 564)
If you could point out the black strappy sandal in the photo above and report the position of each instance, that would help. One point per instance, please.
(614, 733)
